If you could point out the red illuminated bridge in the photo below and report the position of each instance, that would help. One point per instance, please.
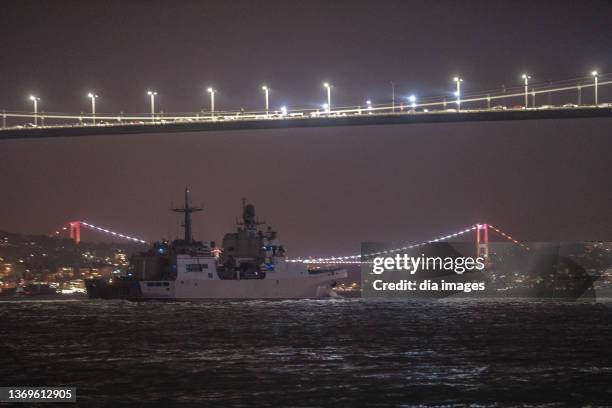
(481, 237)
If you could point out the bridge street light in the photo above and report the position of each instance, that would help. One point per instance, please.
(458, 80)
(212, 92)
(328, 86)
(267, 93)
(412, 100)
(35, 100)
(526, 78)
(93, 97)
(595, 75)
(152, 95)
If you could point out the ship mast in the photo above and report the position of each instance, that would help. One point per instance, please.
(187, 210)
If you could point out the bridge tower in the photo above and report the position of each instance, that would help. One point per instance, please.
(75, 231)
(482, 241)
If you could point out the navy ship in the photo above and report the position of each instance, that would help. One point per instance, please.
(250, 264)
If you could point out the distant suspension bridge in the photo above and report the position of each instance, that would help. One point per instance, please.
(481, 235)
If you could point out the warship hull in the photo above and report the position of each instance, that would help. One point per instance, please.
(318, 286)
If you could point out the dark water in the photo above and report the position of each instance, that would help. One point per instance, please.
(312, 353)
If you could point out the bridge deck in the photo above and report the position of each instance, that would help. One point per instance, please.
(308, 122)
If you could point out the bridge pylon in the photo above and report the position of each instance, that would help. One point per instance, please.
(482, 241)
(75, 231)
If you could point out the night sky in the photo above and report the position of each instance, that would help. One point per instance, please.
(327, 189)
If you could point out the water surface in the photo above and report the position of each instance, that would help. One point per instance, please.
(305, 353)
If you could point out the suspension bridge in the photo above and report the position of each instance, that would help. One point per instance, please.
(480, 231)
(518, 103)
